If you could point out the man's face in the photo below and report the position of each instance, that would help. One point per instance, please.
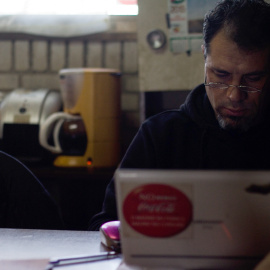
(227, 63)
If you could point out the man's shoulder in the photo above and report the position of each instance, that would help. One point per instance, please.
(167, 118)
(169, 115)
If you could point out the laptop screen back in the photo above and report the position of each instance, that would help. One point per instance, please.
(194, 219)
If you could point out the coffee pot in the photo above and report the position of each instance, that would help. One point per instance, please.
(86, 133)
(68, 134)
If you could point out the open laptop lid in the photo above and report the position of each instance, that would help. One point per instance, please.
(194, 219)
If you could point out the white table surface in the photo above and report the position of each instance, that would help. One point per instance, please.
(24, 244)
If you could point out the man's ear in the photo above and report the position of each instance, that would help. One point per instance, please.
(203, 50)
(202, 47)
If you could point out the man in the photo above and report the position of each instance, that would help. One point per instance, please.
(224, 123)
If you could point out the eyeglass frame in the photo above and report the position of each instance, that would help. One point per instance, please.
(232, 85)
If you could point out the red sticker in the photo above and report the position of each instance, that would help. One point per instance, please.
(157, 210)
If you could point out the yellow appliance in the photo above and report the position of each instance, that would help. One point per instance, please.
(94, 96)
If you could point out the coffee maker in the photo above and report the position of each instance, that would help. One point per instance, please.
(87, 132)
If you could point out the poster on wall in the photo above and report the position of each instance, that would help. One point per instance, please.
(185, 21)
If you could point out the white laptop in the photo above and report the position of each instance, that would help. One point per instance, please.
(194, 219)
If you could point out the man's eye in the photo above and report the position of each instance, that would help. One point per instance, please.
(222, 75)
(253, 78)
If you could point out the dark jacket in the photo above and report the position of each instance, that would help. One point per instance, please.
(189, 138)
(24, 202)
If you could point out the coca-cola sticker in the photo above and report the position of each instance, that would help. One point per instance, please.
(157, 210)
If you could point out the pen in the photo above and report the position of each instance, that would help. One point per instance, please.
(82, 259)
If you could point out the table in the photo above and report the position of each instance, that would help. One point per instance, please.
(25, 244)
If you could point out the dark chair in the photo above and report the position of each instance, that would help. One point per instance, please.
(24, 202)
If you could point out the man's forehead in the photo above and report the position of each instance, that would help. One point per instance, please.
(228, 57)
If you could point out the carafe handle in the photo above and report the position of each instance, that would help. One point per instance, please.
(46, 129)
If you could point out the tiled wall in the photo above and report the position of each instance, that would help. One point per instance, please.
(34, 62)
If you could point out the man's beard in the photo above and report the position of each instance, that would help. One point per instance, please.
(234, 123)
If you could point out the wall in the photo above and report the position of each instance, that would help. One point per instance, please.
(164, 70)
(33, 62)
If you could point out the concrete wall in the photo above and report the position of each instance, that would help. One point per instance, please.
(164, 70)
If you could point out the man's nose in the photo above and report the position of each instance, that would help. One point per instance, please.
(235, 94)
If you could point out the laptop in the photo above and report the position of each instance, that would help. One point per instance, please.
(193, 219)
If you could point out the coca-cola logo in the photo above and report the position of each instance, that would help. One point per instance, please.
(157, 210)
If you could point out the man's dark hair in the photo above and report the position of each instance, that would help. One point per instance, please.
(246, 22)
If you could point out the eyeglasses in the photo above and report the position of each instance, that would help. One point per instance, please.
(224, 86)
